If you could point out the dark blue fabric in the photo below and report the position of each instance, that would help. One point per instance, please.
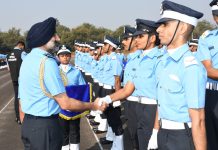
(128, 32)
(214, 2)
(79, 92)
(40, 33)
(168, 5)
(145, 26)
(113, 40)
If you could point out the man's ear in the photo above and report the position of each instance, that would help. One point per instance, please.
(183, 29)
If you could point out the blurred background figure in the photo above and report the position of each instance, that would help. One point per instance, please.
(193, 45)
(14, 62)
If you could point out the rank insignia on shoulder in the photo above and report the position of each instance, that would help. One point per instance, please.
(190, 60)
(211, 47)
(49, 55)
(205, 34)
(159, 56)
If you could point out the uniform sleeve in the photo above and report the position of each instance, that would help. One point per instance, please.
(203, 52)
(52, 78)
(116, 67)
(194, 85)
(81, 80)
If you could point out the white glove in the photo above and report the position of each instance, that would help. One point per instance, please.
(107, 99)
(153, 140)
(99, 103)
(116, 104)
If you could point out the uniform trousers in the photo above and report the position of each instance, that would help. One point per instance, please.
(145, 123)
(16, 100)
(41, 133)
(88, 78)
(95, 90)
(175, 139)
(113, 115)
(101, 91)
(70, 130)
(211, 119)
(130, 110)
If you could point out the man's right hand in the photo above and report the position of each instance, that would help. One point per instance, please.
(99, 104)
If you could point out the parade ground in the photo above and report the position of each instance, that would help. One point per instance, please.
(10, 131)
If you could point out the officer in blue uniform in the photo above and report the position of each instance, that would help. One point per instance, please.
(181, 81)
(208, 55)
(42, 92)
(71, 128)
(141, 85)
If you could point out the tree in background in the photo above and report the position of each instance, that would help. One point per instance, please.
(85, 32)
(201, 27)
(9, 39)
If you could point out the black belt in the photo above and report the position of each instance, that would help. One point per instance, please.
(41, 117)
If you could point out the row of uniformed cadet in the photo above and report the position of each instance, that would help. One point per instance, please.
(180, 81)
(106, 80)
(140, 84)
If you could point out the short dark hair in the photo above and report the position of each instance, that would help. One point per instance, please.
(20, 43)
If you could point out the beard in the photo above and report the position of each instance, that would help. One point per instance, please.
(50, 45)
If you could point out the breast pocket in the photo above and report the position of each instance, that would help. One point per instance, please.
(173, 86)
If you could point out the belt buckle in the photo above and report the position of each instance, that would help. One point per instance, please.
(140, 99)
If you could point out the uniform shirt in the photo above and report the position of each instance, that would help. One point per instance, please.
(74, 76)
(181, 81)
(14, 62)
(93, 69)
(130, 67)
(120, 56)
(208, 49)
(89, 60)
(76, 57)
(112, 68)
(83, 60)
(101, 65)
(23, 55)
(33, 100)
(144, 77)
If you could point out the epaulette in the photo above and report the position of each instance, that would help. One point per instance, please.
(158, 57)
(52, 57)
(206, 34)
(190, 60)
(49, 55)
